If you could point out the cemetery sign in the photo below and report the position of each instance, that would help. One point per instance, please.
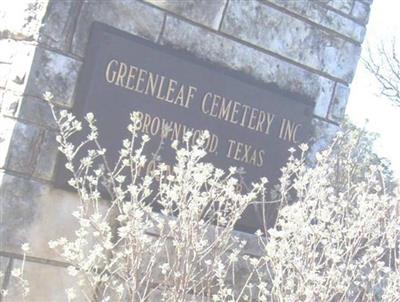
(252, 125)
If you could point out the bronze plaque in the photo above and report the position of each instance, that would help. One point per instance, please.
(252, 125)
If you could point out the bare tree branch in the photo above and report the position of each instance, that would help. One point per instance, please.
(383, 63)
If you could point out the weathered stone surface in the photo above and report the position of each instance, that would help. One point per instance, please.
(225, 52)
(294, 39)
(128, 15)
(21, 19)
(35, 71)
(360, 11)
(23, 148)
(341, 5)
(36, 111)
(324, 133)
(58, 23)
(46, 282)
(206, 12)
(26, 148)
(339, 102)
(55, 73)
(35, 213)
(327, 18)
(18, 203)
(323, 98)
(47, 156)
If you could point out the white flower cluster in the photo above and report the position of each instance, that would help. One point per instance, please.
(336, 236)
(123, 248)
(338, 242)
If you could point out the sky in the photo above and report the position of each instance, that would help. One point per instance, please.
(364, 103)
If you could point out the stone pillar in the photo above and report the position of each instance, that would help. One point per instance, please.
(34, 58)
(308, 47)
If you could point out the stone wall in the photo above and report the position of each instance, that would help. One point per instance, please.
(309, 47)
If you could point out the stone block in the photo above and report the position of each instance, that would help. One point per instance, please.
(58, 23)
(34, 110)
(342, 5)
(323, 136)
(36, 213)
(325, 17)
(55, 73)
(18, 200)
(47, 156)
(323, 98)
(21, 19)
(128, 15)
(272, 30)
(27, 149)
(338, 103)
(46, 283)
(360, 11)
(206, 12)
(35, 70)
(23, 148)
(220, 50)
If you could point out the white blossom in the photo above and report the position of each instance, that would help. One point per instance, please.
(329, 240)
